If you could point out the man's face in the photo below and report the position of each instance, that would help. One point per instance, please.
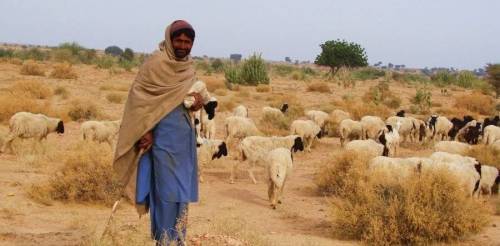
(182, 45)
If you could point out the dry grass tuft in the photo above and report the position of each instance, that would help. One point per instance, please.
(114, 87)
(32, 68)
(214, 84)
(243, 93)
(319, 87)
(63, 71)
(226, 105)
(80, 109)
(486, 155)
(11, 104)
(62, 91)
(426, 208)
(273, 125)
(87, 176)
(342, 175)
(476, 102)
(359, 109)
(115, 97)
(221, 92)
(31, 89)
(263, 88)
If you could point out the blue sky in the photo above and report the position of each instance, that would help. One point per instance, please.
(448, 33)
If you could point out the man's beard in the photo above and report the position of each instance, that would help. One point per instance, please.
(181, 53)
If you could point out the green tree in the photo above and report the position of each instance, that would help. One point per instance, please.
(340, 53)
(128, 54)
(493, 71)
(113, 50)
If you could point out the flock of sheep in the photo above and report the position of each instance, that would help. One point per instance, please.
(371, 136)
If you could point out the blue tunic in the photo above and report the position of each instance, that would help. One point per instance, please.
(167, 175)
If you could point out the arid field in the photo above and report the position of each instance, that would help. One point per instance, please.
(53, 193)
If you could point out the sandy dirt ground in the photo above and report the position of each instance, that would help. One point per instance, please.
(227, 214)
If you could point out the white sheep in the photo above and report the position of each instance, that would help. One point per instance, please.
(467, 169)
(239, 127)
(405, 131)
(209, 102)
(399, 168)
(319, 117)
(489, 177)
(368, 147)
(254, 149)
(439, 126)
(209, 149)
(25, 125)
(100, 131)
(307, 130)
(491, 134)
(391, 138)
(274, 112)
(208, 127)
(420, 132)
(371, 126)
(279, 167)
(496, 145)
(349, 130)
(241, 111)
(453, 147)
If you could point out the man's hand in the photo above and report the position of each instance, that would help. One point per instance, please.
(146, 141)
(198, 101)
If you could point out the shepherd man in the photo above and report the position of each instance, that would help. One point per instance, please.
(155, 157)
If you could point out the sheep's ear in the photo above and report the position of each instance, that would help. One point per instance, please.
(210, 109)
(223, 149)
(478, 168)
(382, 139)
(60, 127)
(196, 121)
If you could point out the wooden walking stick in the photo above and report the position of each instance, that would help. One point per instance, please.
(117, 202)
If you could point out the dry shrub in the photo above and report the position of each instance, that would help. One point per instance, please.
(319, 87)
(381, 94)
(243, 93)
(451, 112)
(63, 71)
(422, 209)
(32, 89)
(86, 176)
(359, 109)
(221, 92)
(271, 124)
(263, 88)
(486, 155)
(11, 104)
(61, 91)
(226, 105)
(80, 109)
(115, 97)
(342, 174)
(16, 61)
(114, 87)
(476, 102)
(214, 84)
(32, 68)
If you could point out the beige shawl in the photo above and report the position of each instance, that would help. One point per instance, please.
(160, 86)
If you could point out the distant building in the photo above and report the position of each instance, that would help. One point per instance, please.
(288, 59)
